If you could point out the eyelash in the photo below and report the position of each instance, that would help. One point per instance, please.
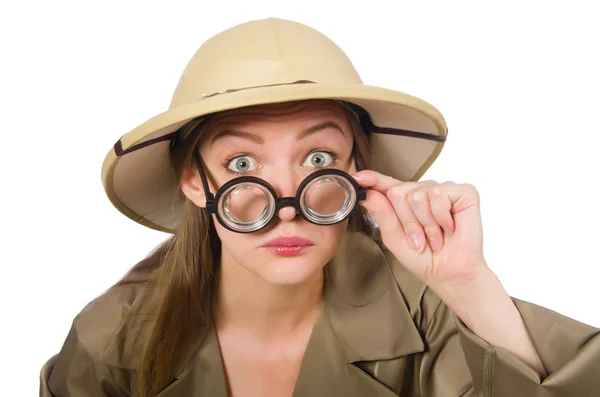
(226, 162)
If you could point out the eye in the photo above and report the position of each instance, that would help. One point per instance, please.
(241, 164)
(319, 159)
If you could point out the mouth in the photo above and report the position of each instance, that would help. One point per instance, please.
(288, 246)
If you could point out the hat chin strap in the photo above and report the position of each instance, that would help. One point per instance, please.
(370, 128)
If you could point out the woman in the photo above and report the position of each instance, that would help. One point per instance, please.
(269, 169)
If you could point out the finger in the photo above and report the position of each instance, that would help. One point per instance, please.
(419, 201)
(462, 196)
(381, 209)
(382, 183)
(440, 208)
(412, 227)
(375, 180)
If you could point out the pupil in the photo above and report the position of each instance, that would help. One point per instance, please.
(317, 159)
(242, 165)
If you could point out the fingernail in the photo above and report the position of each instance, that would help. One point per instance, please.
(416, 242)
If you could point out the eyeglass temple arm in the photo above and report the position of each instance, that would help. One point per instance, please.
(210, 198)
(362, 191)
(355, 156)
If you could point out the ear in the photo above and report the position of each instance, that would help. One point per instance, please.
(192, 187)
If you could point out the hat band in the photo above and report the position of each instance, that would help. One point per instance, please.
(204, 96)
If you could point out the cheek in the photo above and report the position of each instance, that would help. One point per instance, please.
(236, 243)
(332, 236)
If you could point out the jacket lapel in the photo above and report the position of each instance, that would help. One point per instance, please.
(325, 372)
(204, 375)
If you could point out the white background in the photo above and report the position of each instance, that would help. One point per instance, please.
(518, 85)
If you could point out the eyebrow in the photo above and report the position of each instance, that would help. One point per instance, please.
(259, 140)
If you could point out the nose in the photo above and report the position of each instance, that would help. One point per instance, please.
(286, 182)
(287, 213)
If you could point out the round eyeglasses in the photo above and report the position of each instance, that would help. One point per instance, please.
(247, 204)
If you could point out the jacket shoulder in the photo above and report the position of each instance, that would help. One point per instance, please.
(112, 327)
(100, 354)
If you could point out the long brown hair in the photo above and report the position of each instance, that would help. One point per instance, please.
(184, 270)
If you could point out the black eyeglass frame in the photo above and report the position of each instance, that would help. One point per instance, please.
(212, 201)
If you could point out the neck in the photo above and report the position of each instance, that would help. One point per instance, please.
(245, 300)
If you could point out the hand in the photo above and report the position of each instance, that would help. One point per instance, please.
(444, 221)
(433, 229)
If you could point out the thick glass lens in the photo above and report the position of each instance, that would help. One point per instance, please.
(246, 206)
(328, 199)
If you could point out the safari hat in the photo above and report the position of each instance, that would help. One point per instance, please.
(262, 62)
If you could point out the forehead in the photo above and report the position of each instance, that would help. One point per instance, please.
(289, 113)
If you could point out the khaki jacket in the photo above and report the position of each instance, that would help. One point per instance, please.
(381, 333)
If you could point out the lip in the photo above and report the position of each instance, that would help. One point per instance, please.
(292, 241)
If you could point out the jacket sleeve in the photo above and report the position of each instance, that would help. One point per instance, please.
(75, 372)
(569, 350)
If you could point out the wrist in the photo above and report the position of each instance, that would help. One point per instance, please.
(488, 311)
(477, 298)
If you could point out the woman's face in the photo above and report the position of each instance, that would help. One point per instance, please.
(281, 144)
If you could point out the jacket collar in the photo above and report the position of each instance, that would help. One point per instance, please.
(364, 318)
